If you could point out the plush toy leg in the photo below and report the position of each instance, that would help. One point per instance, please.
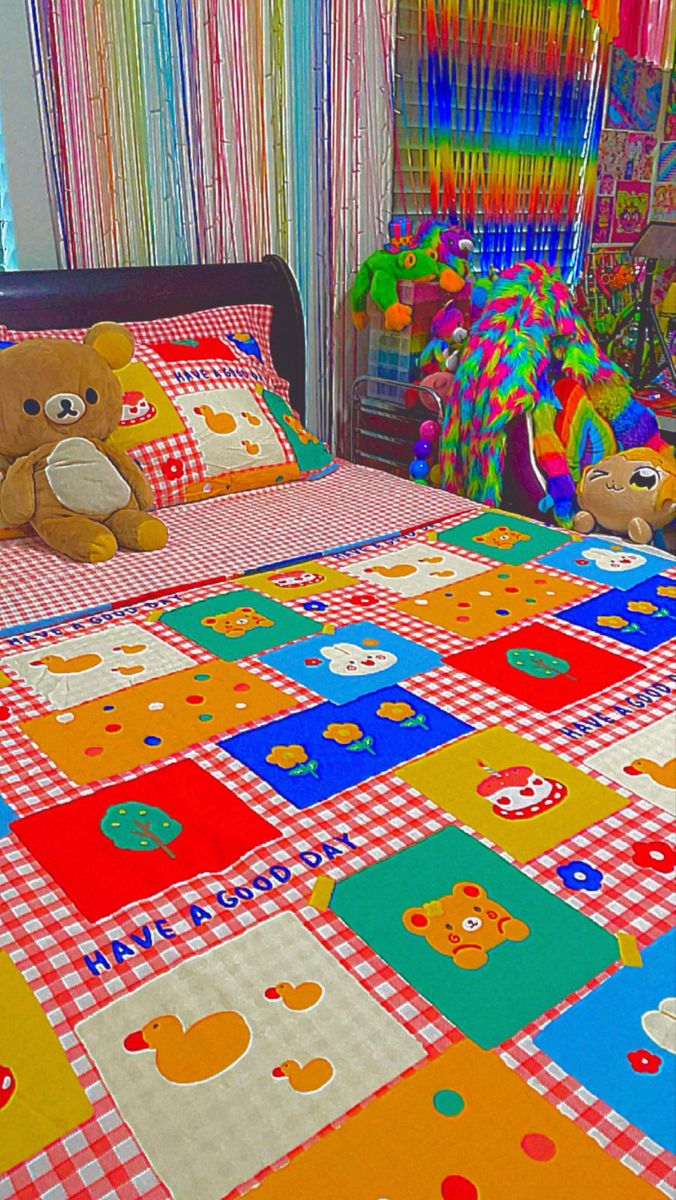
(136, 530)
(77, 538)
(583, 522)
(639, 531)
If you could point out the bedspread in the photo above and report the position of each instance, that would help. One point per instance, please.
(218, 538)
(349, 877)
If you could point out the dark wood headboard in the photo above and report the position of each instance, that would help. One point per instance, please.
(65, 299)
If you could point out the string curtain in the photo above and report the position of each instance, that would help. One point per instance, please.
(499, 116)
(7, 244)
(190, 131)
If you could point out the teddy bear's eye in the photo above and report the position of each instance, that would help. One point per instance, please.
(91, 395)
(31, 407)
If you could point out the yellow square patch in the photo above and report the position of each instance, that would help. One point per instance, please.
(523, 798)
(297, 581)
(41, 1099)
(147, 413)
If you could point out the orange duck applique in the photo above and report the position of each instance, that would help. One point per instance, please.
(663, 774)
(314, 1075)
(56, 665)
(398, 571)
(297, 998)
(217, 422)
(205, 1049)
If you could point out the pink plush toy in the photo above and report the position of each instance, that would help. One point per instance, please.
(449, 334)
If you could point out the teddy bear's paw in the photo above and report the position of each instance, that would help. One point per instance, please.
(101, 548)
(152, 534)
(137, 530)
(78, 538)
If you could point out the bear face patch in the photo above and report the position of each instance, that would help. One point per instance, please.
(501, 537)
(465, 925)
(238, 622)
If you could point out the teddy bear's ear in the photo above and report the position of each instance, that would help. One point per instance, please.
(113, 342)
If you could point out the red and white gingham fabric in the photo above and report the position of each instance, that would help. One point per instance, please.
(220, 537)
(255, 319)
(46, 937)
(175, 461)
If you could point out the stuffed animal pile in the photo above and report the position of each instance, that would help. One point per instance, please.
(528, 336)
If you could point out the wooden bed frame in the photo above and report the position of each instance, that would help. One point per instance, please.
(73, 299)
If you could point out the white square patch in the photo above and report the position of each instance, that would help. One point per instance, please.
(644, 763)
(232, 431)
(82, 668)
(414, 569)
(275, 1071)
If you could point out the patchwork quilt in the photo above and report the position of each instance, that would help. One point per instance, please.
(344, 876)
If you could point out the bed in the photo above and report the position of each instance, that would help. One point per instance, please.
(336, 840)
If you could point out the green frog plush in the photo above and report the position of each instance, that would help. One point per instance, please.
(380, 274)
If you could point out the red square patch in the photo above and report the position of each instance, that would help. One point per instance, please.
(544, 668)
(130, 841)
(193, 349)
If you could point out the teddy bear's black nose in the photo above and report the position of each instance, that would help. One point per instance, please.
(64, 408)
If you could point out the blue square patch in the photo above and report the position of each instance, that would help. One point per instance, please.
(311, 755)
(617, 564)
(7, 815)
(353, 661)
(618, 1041)
(643, 617)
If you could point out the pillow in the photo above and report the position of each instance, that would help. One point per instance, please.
(204, 410)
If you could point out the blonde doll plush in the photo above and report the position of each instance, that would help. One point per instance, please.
(632, 493)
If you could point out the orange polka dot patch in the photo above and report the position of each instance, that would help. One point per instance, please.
(144, 724)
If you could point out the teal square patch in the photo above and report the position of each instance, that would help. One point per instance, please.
(504, 537)
(237, 624)
(486, 945)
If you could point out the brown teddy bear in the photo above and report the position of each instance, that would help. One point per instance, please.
(59, 401)
(632, 492)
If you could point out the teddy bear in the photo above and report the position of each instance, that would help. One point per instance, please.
(238, 622)
(632, 492)
(465, 925)
(60, 401)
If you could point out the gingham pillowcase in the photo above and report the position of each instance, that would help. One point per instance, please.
(205, 413)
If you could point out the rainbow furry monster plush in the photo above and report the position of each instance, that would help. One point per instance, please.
(528, 333)
(59, 401)
(379, 275)
(632, 493)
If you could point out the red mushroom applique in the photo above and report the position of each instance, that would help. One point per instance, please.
(7, 1086)
(518, 793)
(299, 997)
(311, 1077)
(207, 1048)
(136, 409)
